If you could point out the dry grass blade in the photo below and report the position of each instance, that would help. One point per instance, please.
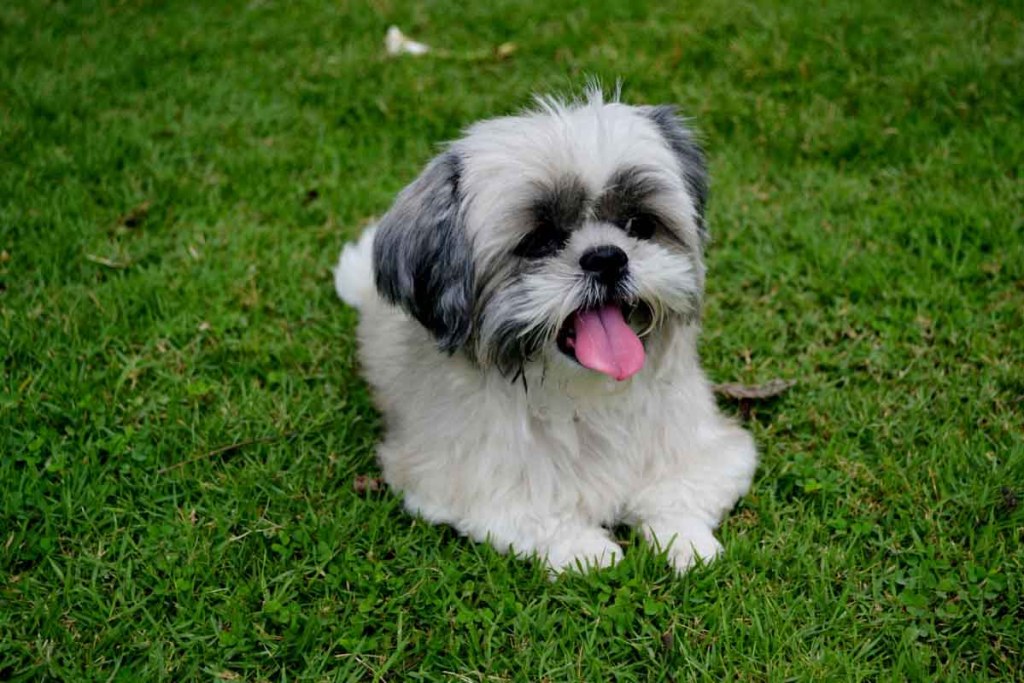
(109, 263)
(225, 449)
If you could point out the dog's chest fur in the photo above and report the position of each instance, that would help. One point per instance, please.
(599, 466)
(585, 446)
(594, 445)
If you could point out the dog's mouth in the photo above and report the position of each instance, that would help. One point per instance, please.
(603, 339)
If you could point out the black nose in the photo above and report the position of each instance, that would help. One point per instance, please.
(608, 262)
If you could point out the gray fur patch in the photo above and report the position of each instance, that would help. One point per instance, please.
(692, 163)
(422, 256)
(556, 212)
(624, 202)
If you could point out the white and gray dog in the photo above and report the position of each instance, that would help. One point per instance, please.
(530, 308)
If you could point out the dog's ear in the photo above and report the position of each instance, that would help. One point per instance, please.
(422, 256)
(689, 154)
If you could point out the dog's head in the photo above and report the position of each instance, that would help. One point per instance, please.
(569, 234)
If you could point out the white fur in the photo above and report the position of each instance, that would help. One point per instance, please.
(544, 465)
(353, 276)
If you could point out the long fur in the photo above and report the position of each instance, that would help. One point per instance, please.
(491, 428)
(353, 277)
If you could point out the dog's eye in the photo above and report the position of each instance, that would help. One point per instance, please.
(641, 227)
(543, 241)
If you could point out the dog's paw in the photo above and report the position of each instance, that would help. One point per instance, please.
(696, 543)
(592, 550)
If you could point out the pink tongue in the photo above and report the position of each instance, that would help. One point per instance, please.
(604, 342)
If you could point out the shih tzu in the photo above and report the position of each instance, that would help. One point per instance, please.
(529, 310)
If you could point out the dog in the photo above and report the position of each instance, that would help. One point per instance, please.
(529, 313)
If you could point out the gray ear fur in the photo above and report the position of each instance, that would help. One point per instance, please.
(422, 256)
(692, 165)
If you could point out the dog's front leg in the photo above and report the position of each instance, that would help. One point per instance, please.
(683, 508)
(561, 540)
(562, 543)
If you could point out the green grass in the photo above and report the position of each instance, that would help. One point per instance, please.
(166, 294)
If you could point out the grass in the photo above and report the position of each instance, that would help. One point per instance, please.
(180, 414)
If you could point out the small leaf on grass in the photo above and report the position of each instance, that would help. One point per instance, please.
(505, 50)
(652, 607)
(366, 484)
(753, 392)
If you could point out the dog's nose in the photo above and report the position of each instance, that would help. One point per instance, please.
(607, 262)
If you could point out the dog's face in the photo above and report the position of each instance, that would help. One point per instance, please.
(566, 236)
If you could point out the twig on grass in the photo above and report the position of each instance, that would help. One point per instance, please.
(227, 449)
(136, 216)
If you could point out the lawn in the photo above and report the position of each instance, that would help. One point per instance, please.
(181, 418)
